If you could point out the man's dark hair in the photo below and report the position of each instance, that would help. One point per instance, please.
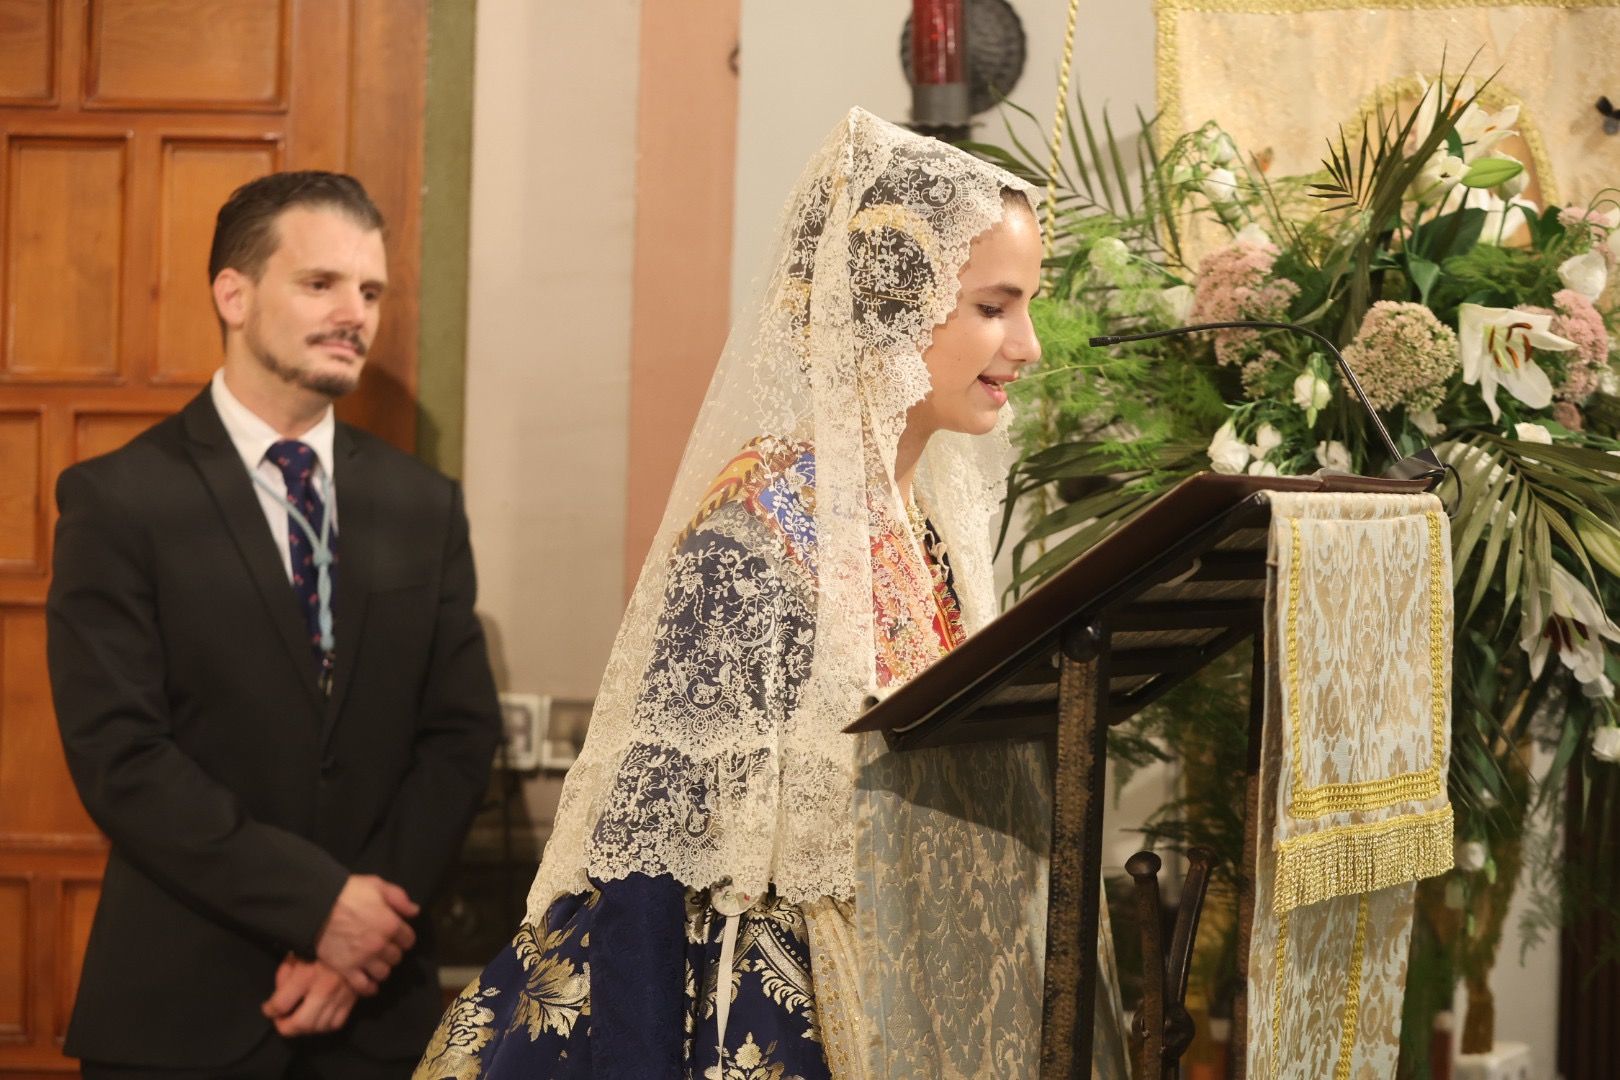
(245, 230)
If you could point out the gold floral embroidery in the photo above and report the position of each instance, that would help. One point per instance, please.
(558, 993)
(751, 1063)
(464, 1031)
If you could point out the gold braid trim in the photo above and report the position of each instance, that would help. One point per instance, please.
(1367, 795)
(1060, 113)
(1362, 858)
(1351, 1023)
(1281, 970)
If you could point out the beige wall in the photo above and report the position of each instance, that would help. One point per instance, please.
(548, 332)
(804, 65)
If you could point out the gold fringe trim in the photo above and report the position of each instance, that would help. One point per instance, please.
(1362, 858)
(1350, 1026)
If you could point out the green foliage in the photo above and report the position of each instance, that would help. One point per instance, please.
(1496, 277)
(1412, 208)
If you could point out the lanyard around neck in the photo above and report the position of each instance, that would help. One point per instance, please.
(322, 556)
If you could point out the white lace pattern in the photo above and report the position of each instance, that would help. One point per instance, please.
(715, 752)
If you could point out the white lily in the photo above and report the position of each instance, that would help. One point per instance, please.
(1221, 149)
(1227, 452)
(1535, 433)
(1333, 455)
(1470, 856)
(1514, 186)
(1262, 468)
(1220, 186)
(1565, 616)
(1606, 743)
(1437, 178)
(1480, 131)
(1587, 274)
(1496, 346)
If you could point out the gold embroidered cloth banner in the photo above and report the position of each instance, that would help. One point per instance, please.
(1281, 75)
(1353, 776)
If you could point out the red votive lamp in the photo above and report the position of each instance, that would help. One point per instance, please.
(939, 87)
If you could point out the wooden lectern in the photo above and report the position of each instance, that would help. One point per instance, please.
(1135, 615)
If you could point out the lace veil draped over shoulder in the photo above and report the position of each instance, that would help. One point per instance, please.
(714, 752)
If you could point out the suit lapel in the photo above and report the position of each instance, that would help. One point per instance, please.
(222, 471)
(356, 550)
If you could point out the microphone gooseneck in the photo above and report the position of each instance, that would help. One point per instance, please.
(1423, 465)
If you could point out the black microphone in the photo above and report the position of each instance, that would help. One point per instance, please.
(1423, 465)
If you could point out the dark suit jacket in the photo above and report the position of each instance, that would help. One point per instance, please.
(237, 798)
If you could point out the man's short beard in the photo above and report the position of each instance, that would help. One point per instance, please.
(332, 385)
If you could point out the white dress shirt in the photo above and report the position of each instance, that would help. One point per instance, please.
(252, 438)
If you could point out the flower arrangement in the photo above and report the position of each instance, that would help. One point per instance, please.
(1480, 324)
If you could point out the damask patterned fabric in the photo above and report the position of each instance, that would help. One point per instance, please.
(1353, 807)
(623, 981)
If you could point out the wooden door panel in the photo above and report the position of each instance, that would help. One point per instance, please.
(22, 540)
(231, 55)
(76, 909)
(63, 267)
(41, 803)
(27, 52)
(124, 124)
(197, 176)
(14, 956)
(97, 433)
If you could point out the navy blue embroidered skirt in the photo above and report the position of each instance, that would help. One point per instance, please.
(622, 981)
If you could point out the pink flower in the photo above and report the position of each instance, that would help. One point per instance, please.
(1568, 415)
(1403, 356)
(1579, 321)
(1588, 229)
(1234, 283)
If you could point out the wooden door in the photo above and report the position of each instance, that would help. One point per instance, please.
(123, 126)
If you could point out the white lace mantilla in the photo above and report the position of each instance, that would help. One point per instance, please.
(715, 752)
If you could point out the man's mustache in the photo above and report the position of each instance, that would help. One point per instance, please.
(353, 341)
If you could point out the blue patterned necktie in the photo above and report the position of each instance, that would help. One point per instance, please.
(296, 460)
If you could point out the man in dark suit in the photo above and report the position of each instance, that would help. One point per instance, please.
(272, 690)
